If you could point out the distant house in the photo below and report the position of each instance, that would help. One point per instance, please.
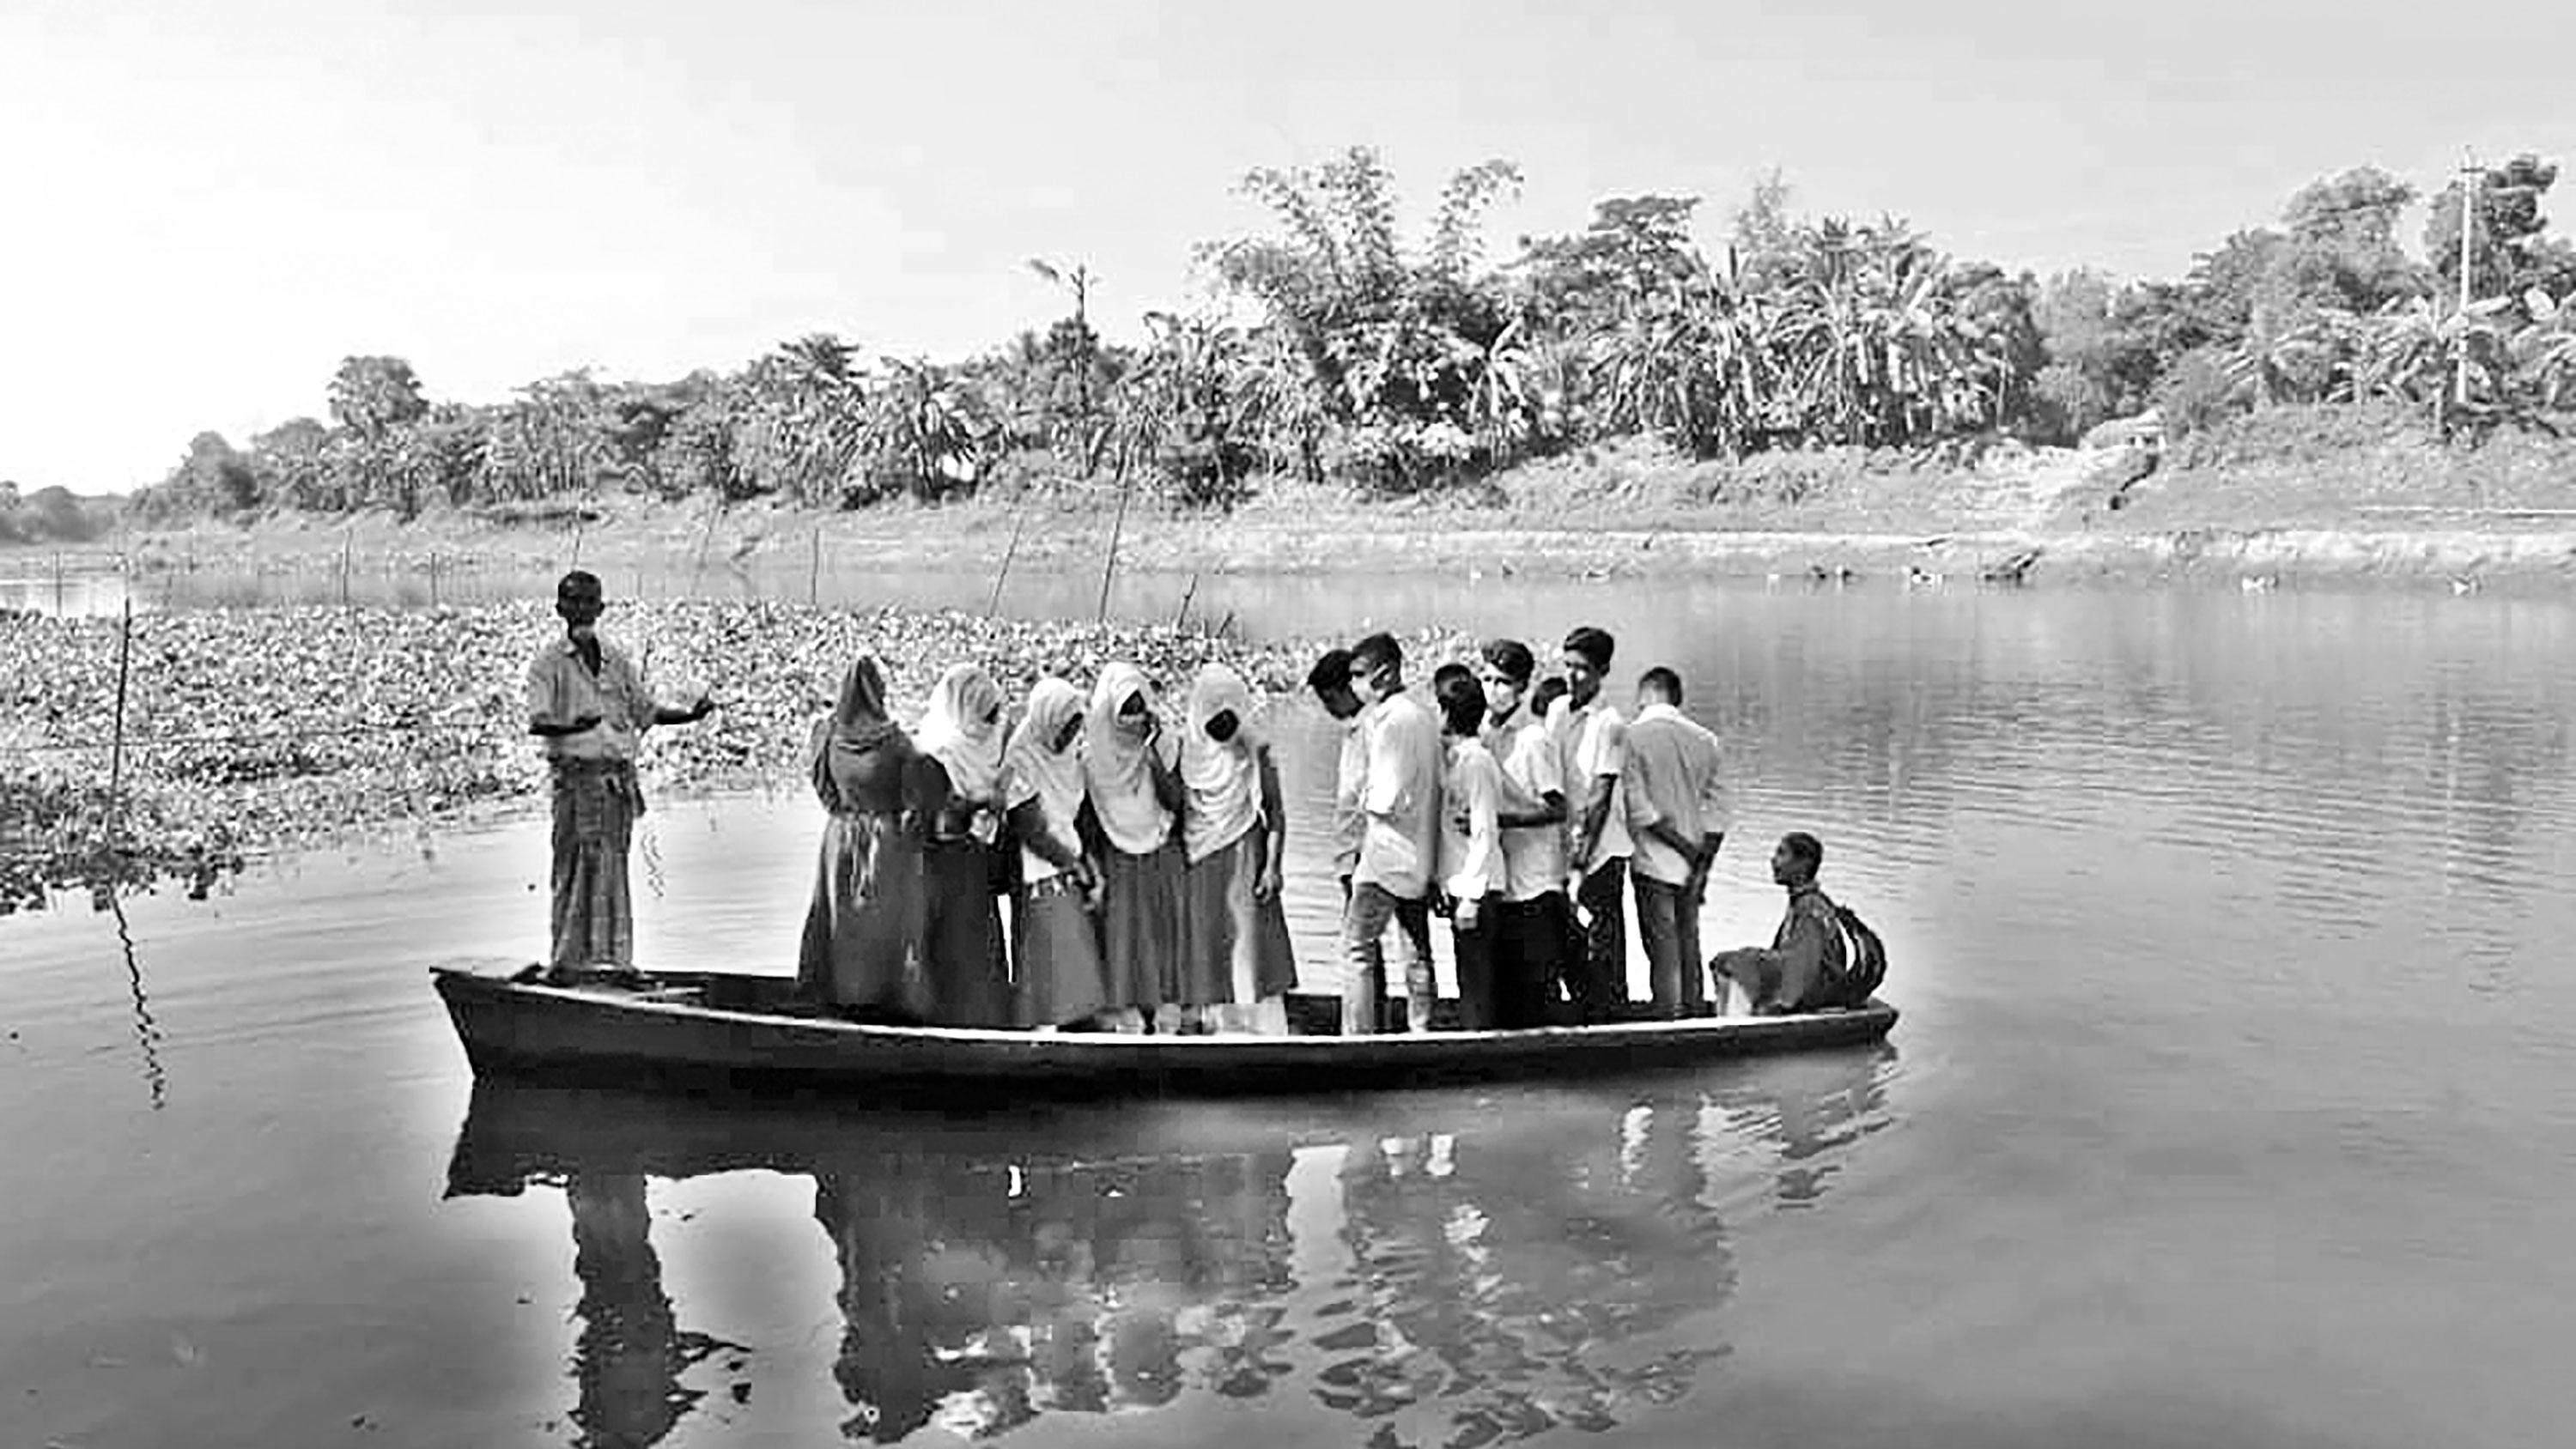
(2146, 430)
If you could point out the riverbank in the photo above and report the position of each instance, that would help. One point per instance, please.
(248, 731)
(2391, 510)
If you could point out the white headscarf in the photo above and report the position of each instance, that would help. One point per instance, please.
(953, 732)
(1037, 770)
(1115, 768)
(1223, 780)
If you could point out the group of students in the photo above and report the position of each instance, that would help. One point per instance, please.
(1524, 812)
(1143, 870)
(1144, 864)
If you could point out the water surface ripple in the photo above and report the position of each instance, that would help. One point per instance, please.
(2229, 1107)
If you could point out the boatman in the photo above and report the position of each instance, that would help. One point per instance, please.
(590, 708)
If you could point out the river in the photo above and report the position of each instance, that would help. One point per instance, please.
(2230, 1104)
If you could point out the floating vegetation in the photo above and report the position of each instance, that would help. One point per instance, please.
(252, 731)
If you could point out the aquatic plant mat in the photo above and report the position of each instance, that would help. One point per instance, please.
(249, 731)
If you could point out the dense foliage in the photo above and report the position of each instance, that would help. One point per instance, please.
(53, 515)
(1332, 348)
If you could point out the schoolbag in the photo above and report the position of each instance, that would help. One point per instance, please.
(1865, 963)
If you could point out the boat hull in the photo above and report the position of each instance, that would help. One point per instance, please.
(711, 1031)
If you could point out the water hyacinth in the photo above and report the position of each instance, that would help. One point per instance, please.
(252, 731)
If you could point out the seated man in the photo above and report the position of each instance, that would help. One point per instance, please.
(1800, 969)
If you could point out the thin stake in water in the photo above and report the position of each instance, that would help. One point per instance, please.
(116, 738)
(1020, 521)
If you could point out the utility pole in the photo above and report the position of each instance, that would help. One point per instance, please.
(2469, 177)
(1077, 280)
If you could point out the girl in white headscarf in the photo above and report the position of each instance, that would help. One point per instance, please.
(1135, 799)
(961, 733)
(1054, 941)
(1236, 961)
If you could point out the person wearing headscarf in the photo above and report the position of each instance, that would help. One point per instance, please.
(961, 738)
(1055, 941)
(1236, 960)
(862, 946)
(1134, 799)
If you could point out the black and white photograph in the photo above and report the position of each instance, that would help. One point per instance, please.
(1349, 726)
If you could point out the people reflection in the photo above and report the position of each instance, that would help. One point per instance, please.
(923, 1280)
(1452, 1268)
(631, 1351)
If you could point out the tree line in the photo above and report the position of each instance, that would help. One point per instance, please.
(1332, 347)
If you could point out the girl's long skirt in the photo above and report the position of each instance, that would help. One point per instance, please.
(970, 980)
(1235, 951)
(862, 944)
(1140, 926)
(1055, 954)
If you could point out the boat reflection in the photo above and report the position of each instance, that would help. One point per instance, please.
(1452, 1267)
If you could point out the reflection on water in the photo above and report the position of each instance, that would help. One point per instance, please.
(1448, 1269)
(632, 1351)
(147, 1031)
(2229, 931)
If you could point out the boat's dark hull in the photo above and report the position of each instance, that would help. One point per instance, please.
(722, 1036)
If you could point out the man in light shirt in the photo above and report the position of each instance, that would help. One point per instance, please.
(1677, 817)
(1531, 924)
(590, 707)
(1591, 740)
(1330, 680)
(1471, 849)
(1399, 802)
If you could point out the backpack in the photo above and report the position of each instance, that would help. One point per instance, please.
(1865, 966)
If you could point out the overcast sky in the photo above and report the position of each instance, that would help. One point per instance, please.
(211, 203)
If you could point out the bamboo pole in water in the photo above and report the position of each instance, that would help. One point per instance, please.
(116, 736)
(993, 605)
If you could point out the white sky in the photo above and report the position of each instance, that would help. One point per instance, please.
(209, 204)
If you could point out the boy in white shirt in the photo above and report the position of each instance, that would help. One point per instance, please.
(1399, 803)
(1591, 739)
(1472, 873)
(1531, 921)
(1677, 819)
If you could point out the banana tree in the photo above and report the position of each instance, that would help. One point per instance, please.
(925, 433)
(2544, 353)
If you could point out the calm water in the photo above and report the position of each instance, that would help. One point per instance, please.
(2231, 1106)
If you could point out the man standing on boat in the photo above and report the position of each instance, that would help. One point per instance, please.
(1677, 820)
(589, 706)
(1330, 680)
(1399, 803)
(1592, 740)
(1531, 925)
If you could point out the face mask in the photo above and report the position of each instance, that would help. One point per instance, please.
(1221, 729)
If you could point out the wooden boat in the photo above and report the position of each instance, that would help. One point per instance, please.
(704, 1027)
(717, 1028)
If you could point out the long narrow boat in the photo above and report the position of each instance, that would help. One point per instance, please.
(718, 1028)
